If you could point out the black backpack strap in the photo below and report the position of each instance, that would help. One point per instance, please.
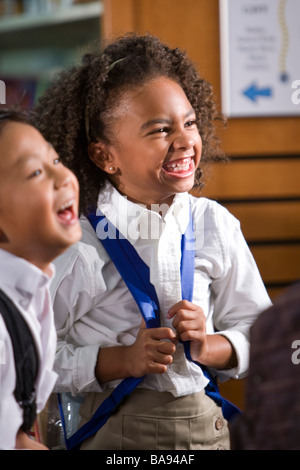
(26, 359)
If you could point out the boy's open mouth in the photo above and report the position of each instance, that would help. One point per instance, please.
(180, 168)
(67, 214)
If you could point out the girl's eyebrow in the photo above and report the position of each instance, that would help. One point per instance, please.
(155, 121)
(151, 122)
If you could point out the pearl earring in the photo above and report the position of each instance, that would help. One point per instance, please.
(112, 168)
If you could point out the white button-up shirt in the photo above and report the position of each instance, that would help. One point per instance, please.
(93, 307)
(28, 287)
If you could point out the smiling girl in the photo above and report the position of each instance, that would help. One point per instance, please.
(133, 123)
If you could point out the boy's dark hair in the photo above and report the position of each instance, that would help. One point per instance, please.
(74, 109)
(12, 114)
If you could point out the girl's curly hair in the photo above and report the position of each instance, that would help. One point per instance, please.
(74, 109)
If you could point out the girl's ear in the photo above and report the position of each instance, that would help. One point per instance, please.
(102, 157)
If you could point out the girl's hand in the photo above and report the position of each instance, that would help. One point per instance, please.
(152, 351)
(153, 348)
(189, 322)
(210, 350)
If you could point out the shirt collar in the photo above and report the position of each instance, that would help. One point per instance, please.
(128, 216)
(21, 275)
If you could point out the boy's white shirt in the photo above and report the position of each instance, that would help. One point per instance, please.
(93, 307)
(28, 287)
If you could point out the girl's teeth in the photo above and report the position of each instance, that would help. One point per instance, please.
(183, 165)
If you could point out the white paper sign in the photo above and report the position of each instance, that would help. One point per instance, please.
(260, 57)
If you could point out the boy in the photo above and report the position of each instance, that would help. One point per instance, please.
(38, 221)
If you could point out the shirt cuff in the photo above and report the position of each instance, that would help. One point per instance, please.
(241, 347)
(84, 378)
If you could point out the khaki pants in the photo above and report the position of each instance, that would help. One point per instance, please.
(150, 420)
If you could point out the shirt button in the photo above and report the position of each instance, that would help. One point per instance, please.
(219, 424)
(168, 290)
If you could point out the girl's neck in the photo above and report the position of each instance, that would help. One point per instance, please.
(152, 205)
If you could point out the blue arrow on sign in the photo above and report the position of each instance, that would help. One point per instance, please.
(253, 92)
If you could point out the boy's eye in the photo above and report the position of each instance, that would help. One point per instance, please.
(35, 173)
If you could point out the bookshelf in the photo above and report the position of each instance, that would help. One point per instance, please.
(72, 14)
(34, 47)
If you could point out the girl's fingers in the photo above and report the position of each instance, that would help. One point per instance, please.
(162, 333)
(182, 304)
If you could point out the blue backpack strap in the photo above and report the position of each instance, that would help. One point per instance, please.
(134, 271)
(187, 268)
(136, 275)
(102, 414)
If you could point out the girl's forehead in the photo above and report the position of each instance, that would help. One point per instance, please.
(158, 101)
(156, 90)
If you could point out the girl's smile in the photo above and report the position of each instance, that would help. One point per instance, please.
(155, 144)
(181, 168)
